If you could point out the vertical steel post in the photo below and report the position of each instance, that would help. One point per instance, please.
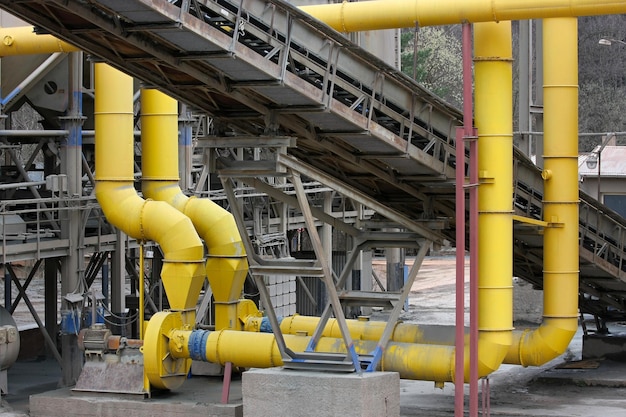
(72, 266)
(459, 394)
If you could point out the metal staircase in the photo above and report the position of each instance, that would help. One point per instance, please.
(262, 69)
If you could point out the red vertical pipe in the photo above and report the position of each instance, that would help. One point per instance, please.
(473, 244)
(468, 131)
(471, 134)
(459, 395)
(228, 372)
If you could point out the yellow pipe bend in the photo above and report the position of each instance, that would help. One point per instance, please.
(23, 41)
(123, 208)
(227, 265)
(384, 14)
(560, 275)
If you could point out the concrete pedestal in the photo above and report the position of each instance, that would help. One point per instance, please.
(283, 392)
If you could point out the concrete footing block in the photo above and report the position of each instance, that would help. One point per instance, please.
(206, 368)
(284, 392)
(64, 403)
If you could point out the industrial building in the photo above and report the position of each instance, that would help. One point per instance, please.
(208, 180)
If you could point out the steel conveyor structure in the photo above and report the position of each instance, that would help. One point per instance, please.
(264, 69)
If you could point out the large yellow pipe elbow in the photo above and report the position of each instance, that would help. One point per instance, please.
(23, 41)
(140, 219)
(227, 265)
(384, 14)
(560, 202)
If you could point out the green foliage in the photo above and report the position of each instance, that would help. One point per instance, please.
(601, 78)
(439, 63)
(602, 71)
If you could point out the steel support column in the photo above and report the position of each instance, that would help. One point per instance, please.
(51, 273)
(72, 266)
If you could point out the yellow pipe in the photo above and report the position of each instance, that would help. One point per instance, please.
(259, 350)
(493, 72)
(227, 265)
(385, 14)
(140, 219)
(494, 120)
(23, 41)
(359, 329)
(560, 200)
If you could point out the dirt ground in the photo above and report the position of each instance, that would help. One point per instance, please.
(432, 296)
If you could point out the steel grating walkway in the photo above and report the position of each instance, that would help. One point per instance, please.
(262, 68)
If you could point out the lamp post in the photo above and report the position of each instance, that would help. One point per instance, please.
(610, 41)
(595, 159)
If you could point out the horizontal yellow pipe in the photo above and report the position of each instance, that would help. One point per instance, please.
(227, 265)
(393, 14)
(259, 350)
(537, 347)
(115, 191)
(23, 41)
(359, 329)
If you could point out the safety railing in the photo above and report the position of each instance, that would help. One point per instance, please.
(602, 232)
(32, 228)
(372, 91)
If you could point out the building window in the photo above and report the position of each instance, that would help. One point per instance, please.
(616, 202)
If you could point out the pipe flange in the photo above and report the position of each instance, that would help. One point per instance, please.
(163, 370)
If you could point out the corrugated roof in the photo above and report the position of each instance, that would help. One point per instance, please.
(612, 164)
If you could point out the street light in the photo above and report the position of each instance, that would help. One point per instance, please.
(609, 41)
(595, 158)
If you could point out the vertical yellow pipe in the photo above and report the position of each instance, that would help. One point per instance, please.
(494, 121)
(227, 265)
(560, 200)
(115, 191)
(493, 75)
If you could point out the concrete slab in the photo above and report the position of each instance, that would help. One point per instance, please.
(197, 396)
(284, 392)
(64, 403)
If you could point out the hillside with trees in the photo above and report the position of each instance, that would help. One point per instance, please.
(602, 70)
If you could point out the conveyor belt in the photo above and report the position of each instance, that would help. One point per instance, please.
(263, 68)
